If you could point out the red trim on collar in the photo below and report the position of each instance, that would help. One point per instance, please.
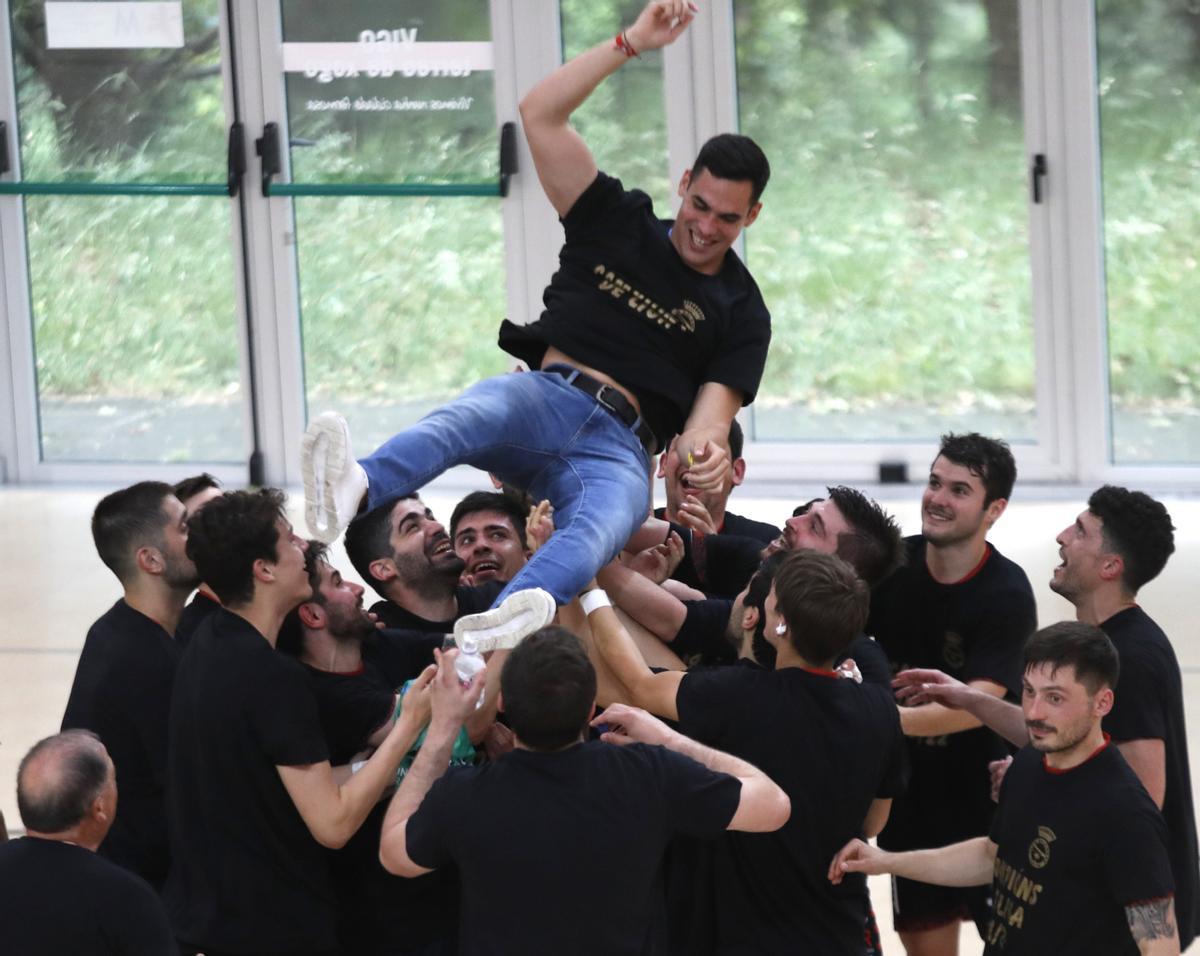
(987, 553)
(1092, 755)
(821, 672)
(357, 672)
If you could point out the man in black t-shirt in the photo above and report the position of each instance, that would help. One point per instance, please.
(705, 511)
(122, 686)
(960, 605)
(195, 492)
(771, 895)
(1077, 854)
(251, 797)
(404, 553)
(58, 895)
(651, 328)
(488, 531)
(561, 822)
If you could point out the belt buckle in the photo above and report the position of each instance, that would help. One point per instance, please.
(601, 392)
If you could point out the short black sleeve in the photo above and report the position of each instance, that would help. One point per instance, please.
(707, 700)
(1138, 711)
(725, 563)
(284, 717)
(602, 209)
(703, 631)
(1132, 872)
(425, 833)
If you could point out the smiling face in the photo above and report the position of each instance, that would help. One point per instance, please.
(675, 474)
(1059, 712)
(288, 568)
(1084, 559)
(952, 508)
(712, 215)
(816, 528)
(420, 546)
(487, 543)
(342, 602)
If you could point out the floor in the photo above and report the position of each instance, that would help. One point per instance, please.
(52, 587)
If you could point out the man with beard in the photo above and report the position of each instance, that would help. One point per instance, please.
(402, 551)
(1077, 854)
(959, 605)
(122, 686)
(488, 530)
(195, 492)
(333, 637)
(1119, 543)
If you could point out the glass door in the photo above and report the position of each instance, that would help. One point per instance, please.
(116, 163)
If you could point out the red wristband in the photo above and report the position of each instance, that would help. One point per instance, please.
(621, 42)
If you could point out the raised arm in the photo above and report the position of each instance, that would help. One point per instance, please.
(334, 813)
(657, 610)
(707, 426)
(968, 863)
(565, 165)
(763, 805)
(655, 692)
(924, 688)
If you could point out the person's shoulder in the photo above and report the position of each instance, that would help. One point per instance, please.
(606, 193)
(1136, 635)
(1004, 573)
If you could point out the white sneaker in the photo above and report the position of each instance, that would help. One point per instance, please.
(334, 483)
(504, 627)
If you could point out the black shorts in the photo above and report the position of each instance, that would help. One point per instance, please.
(923, 906)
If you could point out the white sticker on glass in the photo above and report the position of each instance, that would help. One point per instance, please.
(113, 26)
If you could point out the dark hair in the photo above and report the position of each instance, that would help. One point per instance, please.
(194, 485)
(736, 157)
(369, 537)
(229, 534)
(1136, 527)
(756, 597)
(737, 440)
(549, 687)
(873, 546)
(823, 601)
(70, 785)
(988, 458)
(291, 632)
(129, 519)
(516, 509)
(1084, 647)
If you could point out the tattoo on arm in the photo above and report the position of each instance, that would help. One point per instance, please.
(1151, 920)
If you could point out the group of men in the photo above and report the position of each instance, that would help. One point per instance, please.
(773, 696)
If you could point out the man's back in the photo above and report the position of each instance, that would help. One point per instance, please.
(562, 852)
(59, 898)
(834, 746)
(1148, 705)
(122, 693)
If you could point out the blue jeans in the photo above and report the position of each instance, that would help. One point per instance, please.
(533, 431)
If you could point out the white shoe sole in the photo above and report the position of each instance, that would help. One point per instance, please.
(504, 627)
(324, 460)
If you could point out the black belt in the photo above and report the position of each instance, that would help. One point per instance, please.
(612, 399)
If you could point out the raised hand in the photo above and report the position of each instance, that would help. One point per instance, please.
(660, 24)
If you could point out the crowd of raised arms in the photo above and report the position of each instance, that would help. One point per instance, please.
(571, 724)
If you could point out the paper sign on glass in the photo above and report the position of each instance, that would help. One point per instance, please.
(113, 26)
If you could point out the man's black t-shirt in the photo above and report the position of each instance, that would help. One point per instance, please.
(623, 302)
(972, 629)
(246, 875)
(401, 655)
(60, 899)
(122, 693)
(740, 527)
(352, 706)
(568, 830)
(1148, 705)
(471, 600)
(720, 565)
(195, 614)
(1074, 848)
(834, 746)
(703, 637)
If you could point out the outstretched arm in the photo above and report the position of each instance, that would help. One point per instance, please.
(968, 863)
(564, 163)
(655, 692)
(657, 610)
(922, 687)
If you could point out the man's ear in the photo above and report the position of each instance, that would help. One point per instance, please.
(738, 471)
(1112, 568)
(684, 181)
(752, 215)
(149, 560)
(263, 570)
(1104, 702)
(995, 510)
(749, 618)
(382, 570)
(312, 615)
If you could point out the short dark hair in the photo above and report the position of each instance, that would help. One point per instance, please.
(756, 597)
(229, 534)
(873, 546)
(291, 632)
(549, 688)
(1084, 647)
(129, 519)
(194, 485)
(737, 440)
(76, 780)
(989, 458)
(736, 157)
(1136, 527)
(514, 507)
(823, 601)
(369, 536)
